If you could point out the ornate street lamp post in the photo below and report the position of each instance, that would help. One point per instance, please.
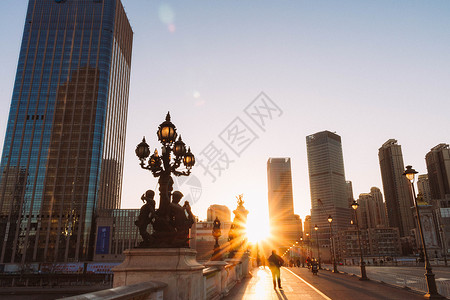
(431, 282)
(216, 233)
(355, 206)
(308, 246)
(169, 228)
(316, 228)
(332, 248)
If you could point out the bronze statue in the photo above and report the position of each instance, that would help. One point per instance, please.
(146, 214)
(237, 236)
(171, 224)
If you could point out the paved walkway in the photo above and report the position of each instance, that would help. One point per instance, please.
(299, 283)
(260, 287)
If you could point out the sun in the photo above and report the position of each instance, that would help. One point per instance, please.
(258, 230)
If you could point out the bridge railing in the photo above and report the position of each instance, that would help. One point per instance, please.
(151, 290)
(218, 280)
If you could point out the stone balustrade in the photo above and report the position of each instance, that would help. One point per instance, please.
(219, 277)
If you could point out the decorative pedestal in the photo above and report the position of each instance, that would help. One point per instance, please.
(175, 266)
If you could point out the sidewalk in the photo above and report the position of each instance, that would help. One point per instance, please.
(299, 283)
(260, 287)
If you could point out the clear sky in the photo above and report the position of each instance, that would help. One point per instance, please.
(367, 70)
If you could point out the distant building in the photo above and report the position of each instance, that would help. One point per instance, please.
(376, 244)
(438, 166)
(423, 188)
(307, 225)
(285, 225)
(396, 187)
(372, 210)
(329, 190)
(116, 232)
(204, 241)
(220, 211)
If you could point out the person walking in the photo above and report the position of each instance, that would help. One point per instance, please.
(275, 263)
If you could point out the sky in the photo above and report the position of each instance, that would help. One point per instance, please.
(367, 70)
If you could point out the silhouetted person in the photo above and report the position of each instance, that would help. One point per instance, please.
(275, 263)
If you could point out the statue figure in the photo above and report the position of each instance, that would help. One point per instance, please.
(146, 215)
(171, 226)
(236, 235)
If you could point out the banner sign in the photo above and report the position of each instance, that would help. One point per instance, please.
(100, 268)
(102, 246)
(68, 268)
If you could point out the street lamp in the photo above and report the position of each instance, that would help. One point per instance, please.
(308, 245)
(355, 206)
(431, 282)
(216, 233)
(332, 249)
(173, 154)
(316, 228)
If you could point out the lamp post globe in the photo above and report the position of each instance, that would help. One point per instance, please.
(167, 133)
(142, 150)
(189, 159)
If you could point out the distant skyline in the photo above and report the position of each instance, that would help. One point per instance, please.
(367, 70)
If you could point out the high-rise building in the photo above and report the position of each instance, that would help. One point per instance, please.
(438, 166)
(350, 198)
(285, 226)
(423, 187)
(327, 183)
(65, 138)
(396, 187)
(371, 211)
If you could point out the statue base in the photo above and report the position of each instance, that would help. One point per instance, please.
(177, 267)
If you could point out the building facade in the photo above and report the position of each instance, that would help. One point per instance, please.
(328, 187)
(285, 225)
(220, 211)
(423, 188)
(115, 232)
(438, 167)
(396, 187)
(372, 210)
(64, 145)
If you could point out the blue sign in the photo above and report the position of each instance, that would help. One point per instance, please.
(102, 246)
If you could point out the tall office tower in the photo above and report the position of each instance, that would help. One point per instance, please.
(371, 211)
(423, 187)
(327, 183)
(307, 225)
(64, 146)
(285, 226)
(350, 198)
(438, 166)
(380, 207)
(396, 187)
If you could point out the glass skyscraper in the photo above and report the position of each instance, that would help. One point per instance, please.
(63, 153)
(328, 187)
